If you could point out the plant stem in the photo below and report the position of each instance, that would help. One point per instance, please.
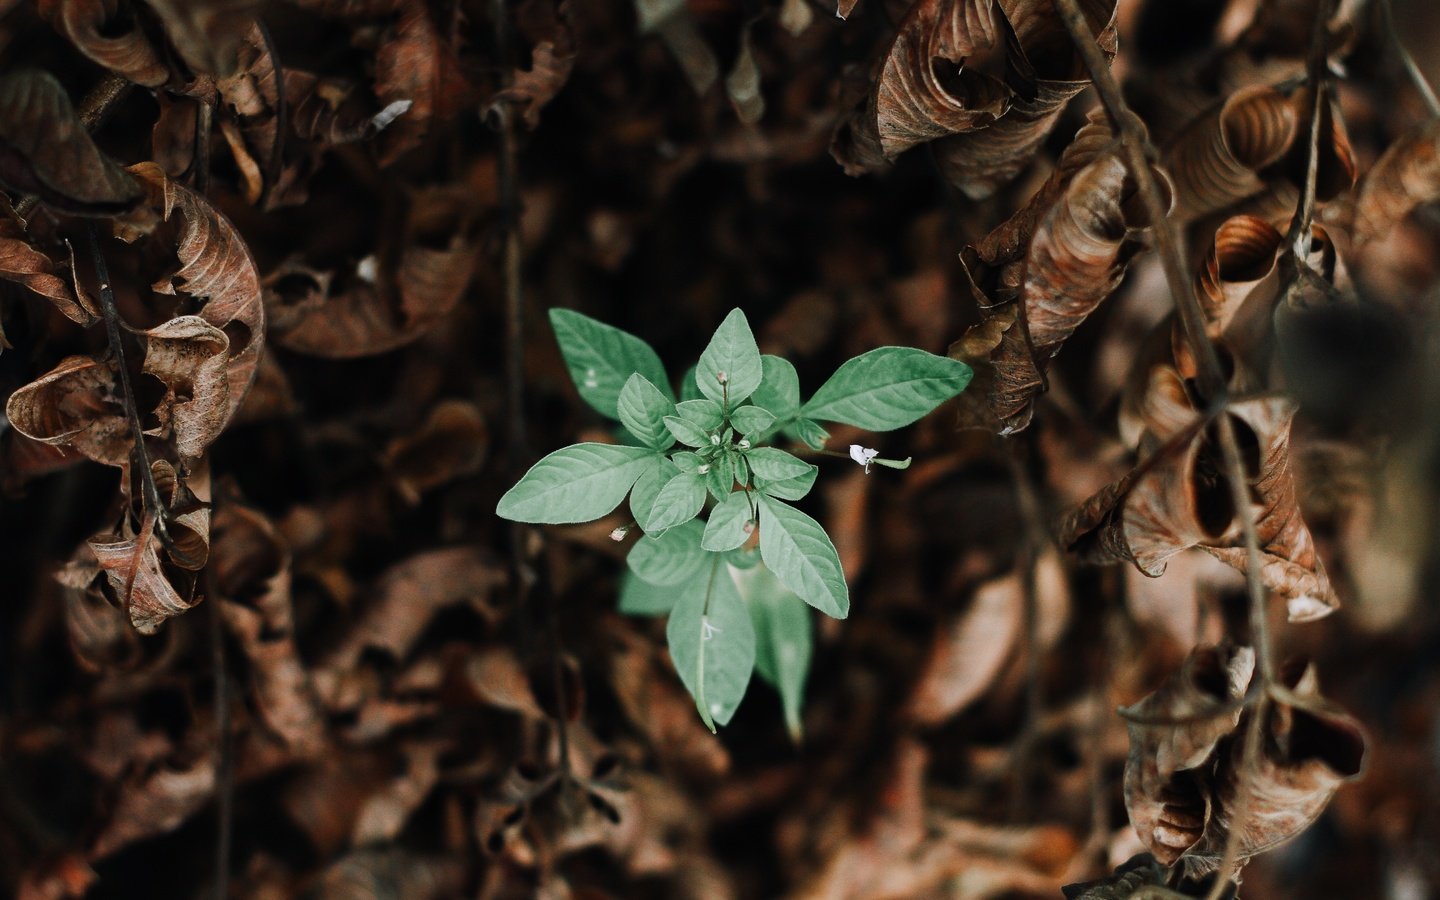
(276, 162)
(1301, 227)
(224, 765)
(1417, 78)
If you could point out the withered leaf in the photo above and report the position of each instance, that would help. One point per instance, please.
(1046, 72)
(1406, 175)
(450, 442)
(208, 33)
(76, 404)
(23, 264)
(417, 64)
(46, 151)
(189, 355)
(924, 90)
(1217, 159)
(532, 89)
(155, 802)
(108, 32)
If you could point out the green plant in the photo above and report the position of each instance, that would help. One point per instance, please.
(733, 597)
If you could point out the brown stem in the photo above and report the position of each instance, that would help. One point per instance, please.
(1029, 555)
(224, 764)
(1139, 151)
(1301, 227)
(276, 161)
(1417, 78)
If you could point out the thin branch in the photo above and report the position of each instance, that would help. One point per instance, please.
(204, 126)
(1302, 226)
(1417, 78)
(224, 763)
(276, 161)
(151, 500)
(1139, 152)
(1028, 556)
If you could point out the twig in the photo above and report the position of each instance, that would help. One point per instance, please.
(91, 112)
(1417, 78)
(140, 456)
(204, 125)
(282, 119)
(1301, 227)
(224, 763)
(1028, 557)
(1138, 151)
(512, 286)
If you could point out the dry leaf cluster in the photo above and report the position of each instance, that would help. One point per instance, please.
(273, 276)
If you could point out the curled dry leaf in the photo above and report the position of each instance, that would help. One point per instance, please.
(49, 153)
(189, 356)
(108, 32)
(924, 90)
(100, 635)
(154, 802)
(251, 572)
(1309, 750)
(1217, 159)
(532, 89)
(970, 651)
(1174, 730)
(387, 309)
(415, 63)
(76, 404)
(207, 33)
(1047, 72)
(1406, 175)
(21, 263)
(149, 587)
(384, 813)
(1075, 259)
(1177, 498)
(450, 442)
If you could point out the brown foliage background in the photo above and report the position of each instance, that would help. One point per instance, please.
(339, 640)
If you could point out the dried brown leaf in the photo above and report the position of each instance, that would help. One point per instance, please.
(251, 572)
(23, 264)
(1217, 159)
(190, 356)
(416, 63)
(76, 404)
(924, 90)
(532, 89)
(49, 153)
(207, 33)
(1047, 72)
(108, 32)
(155, 802)
(450, 442)
(1406, 175)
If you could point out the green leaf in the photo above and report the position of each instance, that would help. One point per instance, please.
(601, 358)
(578, 483)
(704, 413)
(642, 409)
(679, 500)
(689, 434)
(809, 432)
(788, 488)
(774, 464)
(750, 420)
(800, 553)
(647, 486)
(689, 390)
(888, 388)
(783, 639)
(732, 351)
(727, 529)
(742, 557)
(779, 390)
(687, 461)
(671, 558)
(712, 643)
(639, 597)
(720, 479)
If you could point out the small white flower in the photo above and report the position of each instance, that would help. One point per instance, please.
(744, 444)
(715, 440)
(703, 469)
(863, 455)
(618, 534)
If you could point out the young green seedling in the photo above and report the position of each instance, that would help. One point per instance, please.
(734, 584)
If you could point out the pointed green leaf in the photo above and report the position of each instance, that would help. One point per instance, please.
(720, 479)
(888, 388)
(703, 413)
(680, 500)
(752, 420)
(788, 488)
(730, 524)
(779, 390)
(809, 432)
(671, 558)
(687, 433)
(639, 597)
(578, 483)
(732, 352)
(642, 409)
(647, 486)
(783, 638)
(601, 358)
(774, 464)
(801, 555)
(712, 643)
